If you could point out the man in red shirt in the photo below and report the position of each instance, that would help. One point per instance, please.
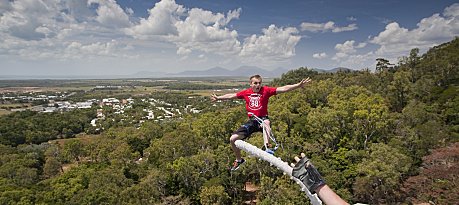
(256, 101)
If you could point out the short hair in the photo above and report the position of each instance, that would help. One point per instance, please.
(255, 76)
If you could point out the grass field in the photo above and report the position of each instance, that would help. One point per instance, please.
(83, 138)
(4, 112)
(128, 87)
(14, 105)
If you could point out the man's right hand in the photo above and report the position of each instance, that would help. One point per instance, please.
(307, 173)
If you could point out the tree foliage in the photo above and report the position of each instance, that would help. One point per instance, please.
(368, 133)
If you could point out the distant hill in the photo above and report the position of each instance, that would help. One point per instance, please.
(148, 74)
(334, 70)
(339, 69)
(215, 71)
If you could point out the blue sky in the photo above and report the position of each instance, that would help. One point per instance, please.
(107, 37)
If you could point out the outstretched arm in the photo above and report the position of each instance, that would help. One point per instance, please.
(228, 96)
(287, 88)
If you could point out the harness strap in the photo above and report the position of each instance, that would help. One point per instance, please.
(263, 125)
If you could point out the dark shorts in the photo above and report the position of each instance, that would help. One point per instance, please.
(250, 127)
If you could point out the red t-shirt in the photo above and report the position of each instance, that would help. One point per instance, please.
(257, 103)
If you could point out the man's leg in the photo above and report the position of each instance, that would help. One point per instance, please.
(266, 132)
(236, 150)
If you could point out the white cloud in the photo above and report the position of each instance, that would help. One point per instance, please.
(452, 11)
(346, 49)
(39, 29)
(92, 50)
(189, 29)
(319, 55)
(21, 18)
(129, 11)
(349, 47)
(110, 14)
(358, 61)
(183, 51)
(395, 40)
(161, 21)
(314, 27)
(349, 27)
(5, 5)
(201, 30)
(233, 15)
(205, 31)
(57, 30)
(275, 43)
(202, 58)
(351, 18)
(392, 35)
(324, 27)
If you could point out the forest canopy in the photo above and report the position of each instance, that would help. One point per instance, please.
(368, 133)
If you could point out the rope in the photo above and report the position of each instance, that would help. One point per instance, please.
(265, 131)
(279, 164)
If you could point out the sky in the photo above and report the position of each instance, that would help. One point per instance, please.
(123, 37)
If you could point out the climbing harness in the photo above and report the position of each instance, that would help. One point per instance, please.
(267, 132)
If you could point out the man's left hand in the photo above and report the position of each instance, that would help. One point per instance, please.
(305, 81)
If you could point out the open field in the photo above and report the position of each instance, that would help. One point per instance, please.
(83, 138)
(15, 105)
(196, 86)
(43, 89)
(4, 112)
(20, 95)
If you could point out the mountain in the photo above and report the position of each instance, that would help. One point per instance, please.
(252, 70)
(215, 71)
(334, 70)
(339, 69)
(279, 71)
(148, 74)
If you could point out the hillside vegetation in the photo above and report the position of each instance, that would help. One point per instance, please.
(376, 137)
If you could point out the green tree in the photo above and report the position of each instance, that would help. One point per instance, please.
(20, 169)
(213, 195)
(73, 150)
(216, 127)
(383, 65)
(420, 128)
(149, 190)
(104, 187)
(380, 174)
(173, 145)
(363, 114)
(52, 167)
(190, 173)
(399, 90)
(280, 191)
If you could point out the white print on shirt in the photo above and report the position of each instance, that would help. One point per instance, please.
(255, 103)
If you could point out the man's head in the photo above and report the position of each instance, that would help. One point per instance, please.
(255, 83)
